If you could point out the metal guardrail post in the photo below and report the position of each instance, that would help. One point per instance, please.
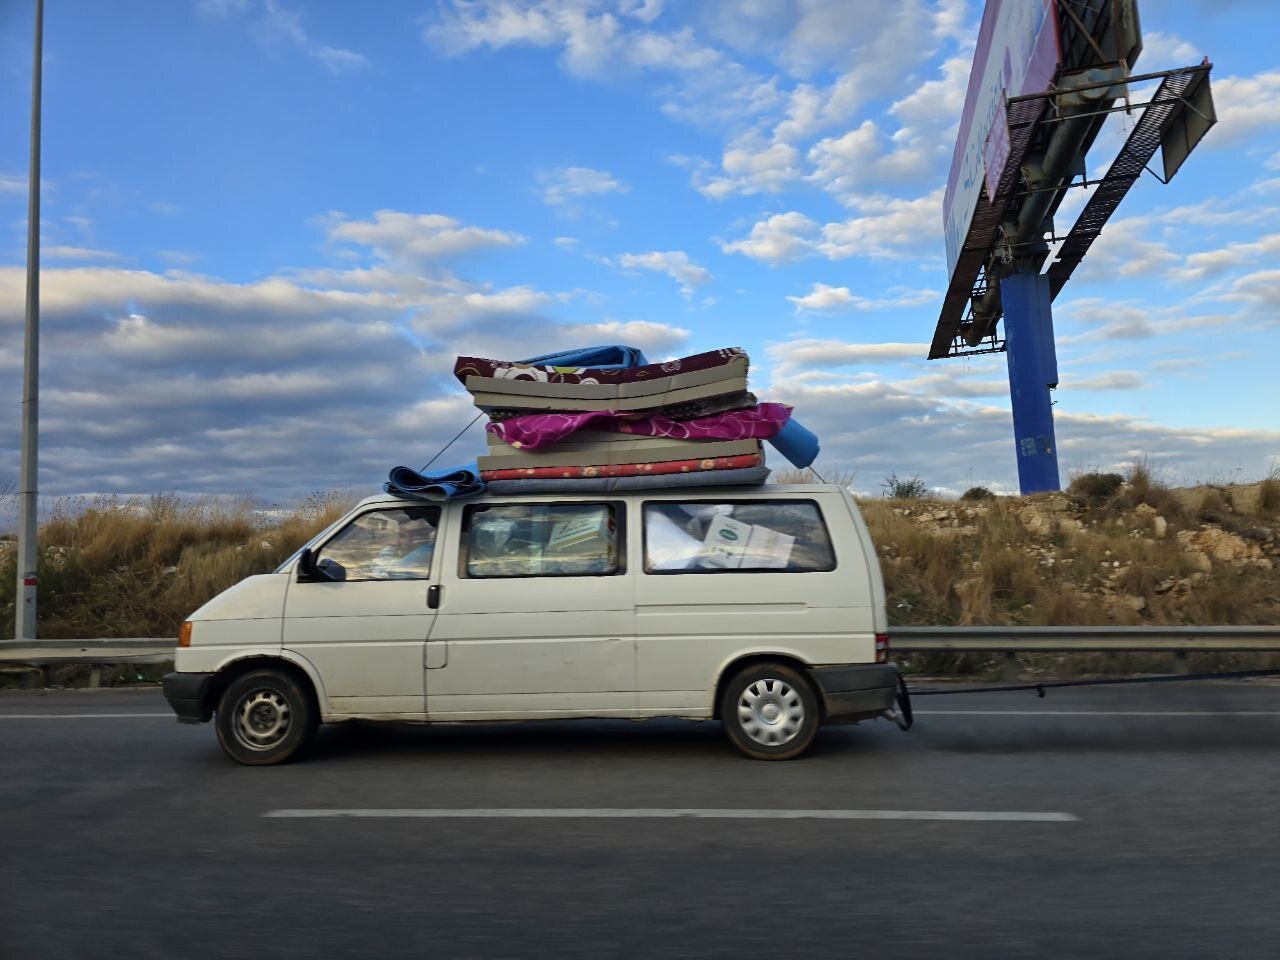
(1011, 669)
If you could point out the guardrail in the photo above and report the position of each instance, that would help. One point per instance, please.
(902, 640)
(1007, 640)
(39, 653)
(1084, 639)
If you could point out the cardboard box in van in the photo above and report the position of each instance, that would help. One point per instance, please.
(729, 542)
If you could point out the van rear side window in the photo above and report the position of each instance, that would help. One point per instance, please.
(717, 536)
(539, 540)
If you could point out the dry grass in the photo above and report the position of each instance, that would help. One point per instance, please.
(1100, 557)
(1103, 555)
(121, 568)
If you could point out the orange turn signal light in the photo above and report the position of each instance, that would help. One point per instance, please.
(184, 634)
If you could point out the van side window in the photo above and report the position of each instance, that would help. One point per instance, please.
(540, 540)
(716, 536)
(393, 544)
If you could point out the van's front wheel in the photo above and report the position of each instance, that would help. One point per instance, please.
(264, 717)
(770, 711)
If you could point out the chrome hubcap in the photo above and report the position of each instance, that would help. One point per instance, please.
(262, 719)
(770, 712)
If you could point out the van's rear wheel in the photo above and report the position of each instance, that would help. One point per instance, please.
(264, 717)
(770, 711)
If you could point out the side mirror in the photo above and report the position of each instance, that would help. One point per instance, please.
(306, 565)
(331, 570)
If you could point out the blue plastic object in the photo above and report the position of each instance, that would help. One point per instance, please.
(1033, 370)
(797, 443)
(459, 482)
(601, 358)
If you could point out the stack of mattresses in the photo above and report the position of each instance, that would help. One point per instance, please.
(621, 425)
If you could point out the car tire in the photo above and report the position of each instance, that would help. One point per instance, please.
(265, 717)
(770, 711)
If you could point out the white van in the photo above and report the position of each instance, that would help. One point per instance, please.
(759, 606)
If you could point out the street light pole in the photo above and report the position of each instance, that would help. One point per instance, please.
(24, 619)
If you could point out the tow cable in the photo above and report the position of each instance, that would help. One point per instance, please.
(1041, 686)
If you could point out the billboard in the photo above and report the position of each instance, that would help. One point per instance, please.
(1018, 52)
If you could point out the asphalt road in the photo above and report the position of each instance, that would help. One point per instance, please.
(132, 836)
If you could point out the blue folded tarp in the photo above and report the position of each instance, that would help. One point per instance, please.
(602, 358)
(459, 482)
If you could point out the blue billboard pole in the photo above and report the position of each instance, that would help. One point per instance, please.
(1033, 371)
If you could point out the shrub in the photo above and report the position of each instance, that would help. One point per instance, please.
(902, 488)
(1095, 488)
(1214, 508)
(1269, 494)
(977, 493)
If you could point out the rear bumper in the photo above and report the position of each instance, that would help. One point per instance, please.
(187, 694)
(856, 691)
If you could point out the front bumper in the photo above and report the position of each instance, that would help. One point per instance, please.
(856, 691)
(187, 694)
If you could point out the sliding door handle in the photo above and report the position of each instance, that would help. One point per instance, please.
(433, 596)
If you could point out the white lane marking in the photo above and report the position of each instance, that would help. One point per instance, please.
(666, 813)
(918, 713)
(79, 716)
(1097, 713)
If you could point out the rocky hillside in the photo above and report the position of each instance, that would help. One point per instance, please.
(1108, 551)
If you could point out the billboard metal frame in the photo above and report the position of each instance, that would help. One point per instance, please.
(1046, 75)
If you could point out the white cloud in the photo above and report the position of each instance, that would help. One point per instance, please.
(863, 159)
(1210, 263)
(822, 296)
(62, 252)
(1107, 319)
(780, 238)
(1110, 380)
(1164, 51)
(279, 22)
(12, 183)
(645, 11)
(750, 166)
(935, 426)
(1178, 364)
(416, 239)
(886, 226)
(843, 164)
(1244, 105)
(564, 187)
(1258, 290)
(283, 384)
(674, 263)
(1124, 250)
(869, 156)
(825, 298)
(800, 355)
(276, 23)
(766, 117)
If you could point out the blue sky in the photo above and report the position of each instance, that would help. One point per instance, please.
(268, 227)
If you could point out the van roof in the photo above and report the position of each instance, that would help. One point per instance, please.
(656, 492)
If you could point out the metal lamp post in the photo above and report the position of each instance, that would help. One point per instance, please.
(24, 619)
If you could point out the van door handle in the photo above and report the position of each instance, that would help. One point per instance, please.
(433, 596)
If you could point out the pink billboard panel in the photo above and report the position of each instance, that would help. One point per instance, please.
(1017, 53)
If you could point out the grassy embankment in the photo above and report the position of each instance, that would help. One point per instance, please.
(1102, 553)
